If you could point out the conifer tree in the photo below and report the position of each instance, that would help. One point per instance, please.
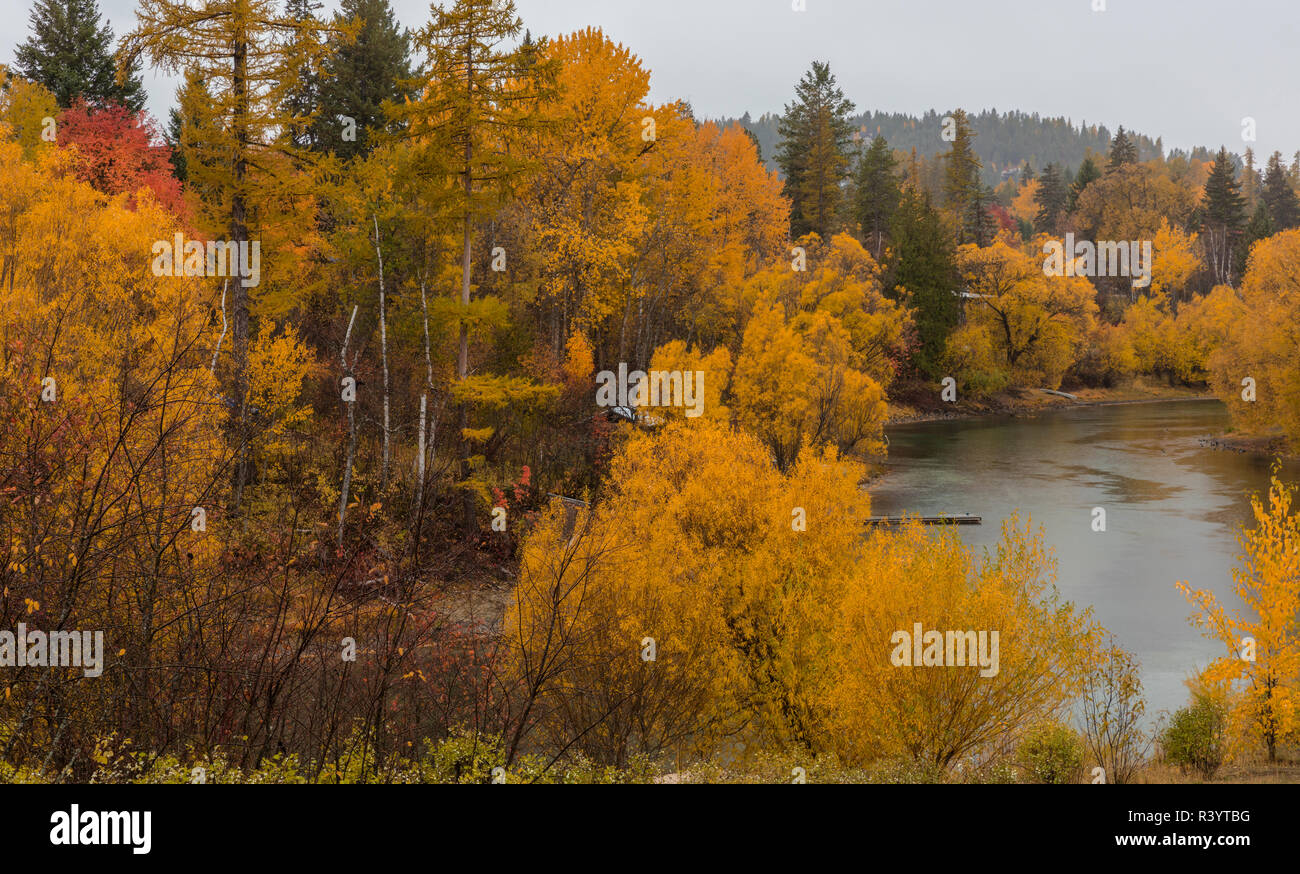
(876, 193)
(923, 269)
(814, 151)
(1122, 150)
(1279, 196)
(1259, 228)
(302, 98)
(1222, 216)
(962, 188)
(480, 99)
(1052, 198)
(244, 58)
(359, 77)
(71, 54)
(1088, 174)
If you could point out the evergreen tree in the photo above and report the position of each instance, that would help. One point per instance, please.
(71, 54)
(978, 222)
(1052, 198)
(302, 97)
(1279, 196)
(876, 193)
(1122, 150)
(962, 186)
(1088, 174)
(923, 268)
(814, 151)
(174, 133)
(1222, 216)
(1260, 228)
(360, 76)
(1250, 180)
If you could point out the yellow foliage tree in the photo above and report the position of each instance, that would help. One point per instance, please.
(1037, 322)
(1256, 371)
(796, 389)
(738, 630)
(941, 711)
(1263, 658)
(714, 369)
(1175, 259)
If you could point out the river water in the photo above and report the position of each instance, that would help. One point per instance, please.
(1173, 509)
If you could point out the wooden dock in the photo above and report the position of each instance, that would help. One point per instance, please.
(941, 519)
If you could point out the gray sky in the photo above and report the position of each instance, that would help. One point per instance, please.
(1186, 70)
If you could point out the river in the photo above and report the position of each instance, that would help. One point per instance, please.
(1173, 509)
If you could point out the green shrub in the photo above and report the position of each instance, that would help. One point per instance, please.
(1196, 736)
(1051, 753)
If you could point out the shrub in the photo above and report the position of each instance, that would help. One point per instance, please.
(1195, 737)
(1052, 753)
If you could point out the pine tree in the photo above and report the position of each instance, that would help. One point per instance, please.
(962, 188)
(1279, 196)
(1088, 174)
(1122, 150)
(876, 193)
(359, 78)
(1222, 216)
(71, 54)
(923, 268)
(814, 151)
(1052, 198)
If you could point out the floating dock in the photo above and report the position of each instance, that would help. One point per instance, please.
(941, 519)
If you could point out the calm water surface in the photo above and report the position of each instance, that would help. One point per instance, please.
(1173, 509)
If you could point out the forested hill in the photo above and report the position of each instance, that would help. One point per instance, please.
(1004, 141)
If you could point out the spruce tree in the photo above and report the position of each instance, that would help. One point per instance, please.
(71, 54)
(1122, 150)
(962, 186)
(1088, 174)
(1251, 181)
(1279, 197)
(876, 193)
(1261, 227)
(814, 151)
(302, 97)
(1052, 198)
(360, 76)
(1222, 216)
(978, 223)
(923, 268)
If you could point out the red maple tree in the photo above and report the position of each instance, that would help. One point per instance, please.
(120, 151)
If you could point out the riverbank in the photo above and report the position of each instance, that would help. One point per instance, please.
(921, 403)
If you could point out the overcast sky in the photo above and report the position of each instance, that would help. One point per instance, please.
(1186, 70)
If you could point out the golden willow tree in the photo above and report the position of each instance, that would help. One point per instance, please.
(479, 97)
(248, 57)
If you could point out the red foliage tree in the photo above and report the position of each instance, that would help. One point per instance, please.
(120, 151)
